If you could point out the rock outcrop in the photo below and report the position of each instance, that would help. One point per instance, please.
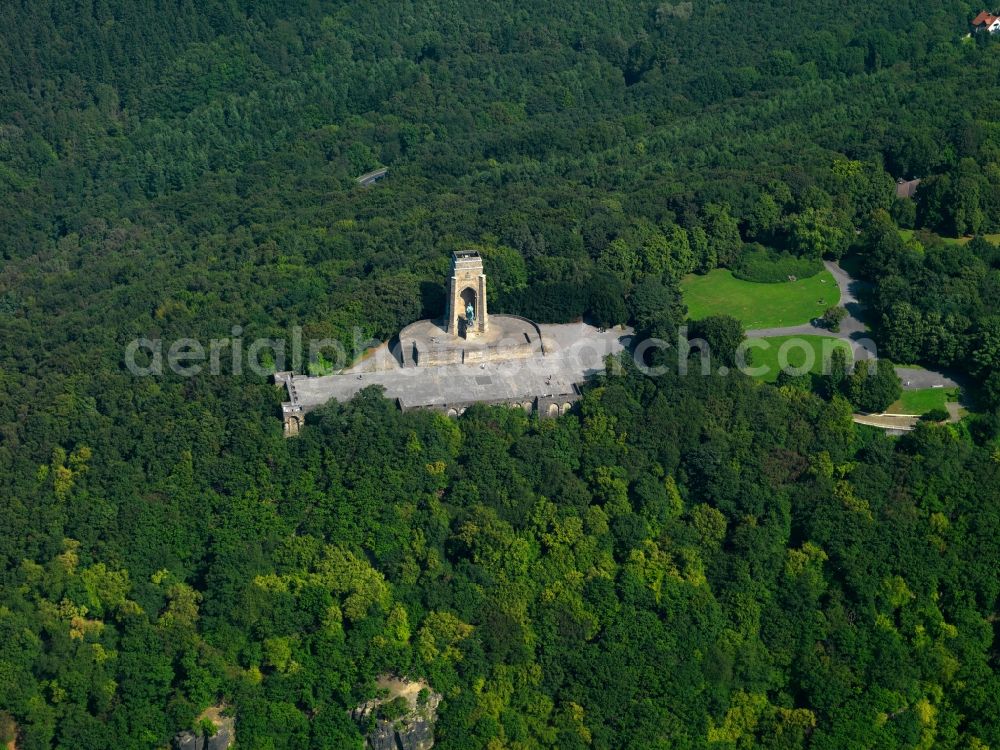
(401, 718)
(222, 738)
(188, 740)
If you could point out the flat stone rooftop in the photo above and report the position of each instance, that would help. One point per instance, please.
(573, 352)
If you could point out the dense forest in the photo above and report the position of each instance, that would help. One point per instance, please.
(682, 561)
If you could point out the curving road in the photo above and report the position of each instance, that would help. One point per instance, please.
(854, 330)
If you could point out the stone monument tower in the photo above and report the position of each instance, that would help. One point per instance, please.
(467, 316)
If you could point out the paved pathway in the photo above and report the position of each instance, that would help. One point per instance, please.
(900, 423)
(854, 330)
(896, 423)
(915, 379)
(370, 178)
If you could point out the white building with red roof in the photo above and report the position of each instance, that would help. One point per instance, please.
(986, 21)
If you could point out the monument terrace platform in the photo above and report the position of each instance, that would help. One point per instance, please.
(427, 342)
(546, 380)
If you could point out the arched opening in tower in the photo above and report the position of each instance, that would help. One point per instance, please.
(468, 296)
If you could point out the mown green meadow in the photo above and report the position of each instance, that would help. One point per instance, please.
(759, 305)
(922, 401)
(772, 354)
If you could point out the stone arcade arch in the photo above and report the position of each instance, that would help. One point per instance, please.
(293, 424)
(468, 297)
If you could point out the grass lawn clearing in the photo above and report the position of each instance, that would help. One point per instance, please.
(759, 305)
(994, 239)
(793, 351)
(922, 401)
